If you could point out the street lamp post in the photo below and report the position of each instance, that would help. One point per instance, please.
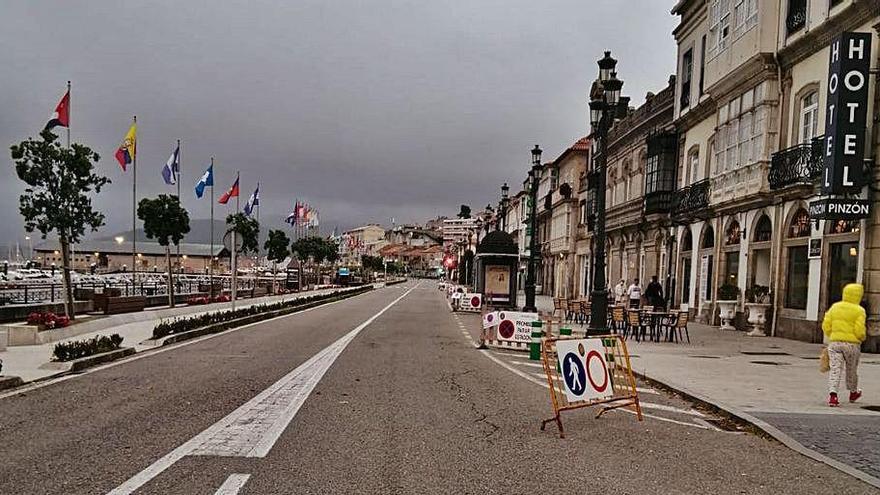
(534, 180)
(501, 224)
(604, 100)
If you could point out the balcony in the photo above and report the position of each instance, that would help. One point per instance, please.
(659, 202)
(691, 198)
(797, 16)
(800, 164)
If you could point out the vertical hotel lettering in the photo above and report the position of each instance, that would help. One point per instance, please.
(847, 111)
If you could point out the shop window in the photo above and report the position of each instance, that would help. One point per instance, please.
(708, 240)
(733, 234)
(731, 268)
(763, 229)
(796, 277)
(845, 260)
(800, 224)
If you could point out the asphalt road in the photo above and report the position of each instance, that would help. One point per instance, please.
(381, 393)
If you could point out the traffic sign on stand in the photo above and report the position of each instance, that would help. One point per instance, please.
(471, 302)
(516, 326)
(588, 372)
(490, 319)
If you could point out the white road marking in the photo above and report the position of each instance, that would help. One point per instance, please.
(663, 407)
(661, 418)
(159, 350)
(233, 484)
(253, 428)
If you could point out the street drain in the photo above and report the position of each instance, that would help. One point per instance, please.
(764, 353)
(871, 408)
(810, 357)
(770, 363)
(705, 357)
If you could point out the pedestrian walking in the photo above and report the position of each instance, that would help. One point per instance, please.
(635, 294)
(620, 292)
(844, 325)
(654, 293)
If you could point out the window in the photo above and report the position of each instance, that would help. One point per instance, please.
(719, 29)
(731, 268)
(694, 161)
(702, 63)
(733, 234)
(687, 68)
(708, 241)
(800, 224)
(797, 278)
(809, 116)
(763, 229)
(745, 14)
(797, 16)
(687, 241)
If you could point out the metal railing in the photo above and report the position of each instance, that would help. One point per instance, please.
(54, 292)
(797, 15)
(800, 164)
(691, 198)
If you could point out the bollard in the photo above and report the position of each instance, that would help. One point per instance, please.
(564, 332)
(535, 346)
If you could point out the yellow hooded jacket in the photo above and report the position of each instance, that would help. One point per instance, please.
(845, 320)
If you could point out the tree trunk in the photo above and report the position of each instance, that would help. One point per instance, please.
(170, 277)
(69, 308)
(274, 278)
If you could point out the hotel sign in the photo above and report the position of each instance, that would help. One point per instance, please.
(840, 209)
(846, 113)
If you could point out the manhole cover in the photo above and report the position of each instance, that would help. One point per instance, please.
(705, 357)
(872, 408)
(764, 353)
(770, 363)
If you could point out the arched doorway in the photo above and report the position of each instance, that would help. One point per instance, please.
(707, 265)
(842, 258)
(730, 251)
(797, 261)
(686, 255)
(759, 252)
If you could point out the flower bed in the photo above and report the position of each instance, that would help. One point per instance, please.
(68, 351)
(201, 300)
(185, 324)
(48, 320)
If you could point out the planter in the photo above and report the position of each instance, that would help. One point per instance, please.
(728, 313)
(757, 318)
(82, 363)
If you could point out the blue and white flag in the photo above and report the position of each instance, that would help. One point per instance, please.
(172, 167)
(252, 201)
(206, 180)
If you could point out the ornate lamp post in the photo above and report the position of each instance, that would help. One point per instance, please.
(501, 224)
(534, 180)
(604, 100)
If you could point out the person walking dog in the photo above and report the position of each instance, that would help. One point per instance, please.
(844, 325)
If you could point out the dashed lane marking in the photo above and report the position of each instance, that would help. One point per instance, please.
(233, 484)
(253, 428)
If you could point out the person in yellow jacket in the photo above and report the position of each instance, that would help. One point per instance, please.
(844, 326)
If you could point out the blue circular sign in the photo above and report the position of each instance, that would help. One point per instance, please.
(574, 374)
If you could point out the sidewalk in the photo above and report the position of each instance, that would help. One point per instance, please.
(25, 361)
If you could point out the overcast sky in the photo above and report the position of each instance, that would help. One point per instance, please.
(365, 109)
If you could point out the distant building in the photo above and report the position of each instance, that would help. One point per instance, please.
(111, 256)
(365, 240)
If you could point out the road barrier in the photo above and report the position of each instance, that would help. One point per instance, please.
(588, 372)
(510, 330)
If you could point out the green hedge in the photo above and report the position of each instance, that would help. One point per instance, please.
(68, 351)
(187, 323)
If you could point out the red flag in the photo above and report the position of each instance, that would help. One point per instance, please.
(231, 193)
(61, 117)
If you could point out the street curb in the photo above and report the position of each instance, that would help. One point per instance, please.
(79, 364)
(764, 427)
(247, 320)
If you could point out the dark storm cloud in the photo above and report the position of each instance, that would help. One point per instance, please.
(366, 110)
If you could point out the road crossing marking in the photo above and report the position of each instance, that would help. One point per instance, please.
(233, 484)
(253, 428)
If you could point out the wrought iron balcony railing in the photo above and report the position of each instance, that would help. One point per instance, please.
(691, 198)
(800, 164)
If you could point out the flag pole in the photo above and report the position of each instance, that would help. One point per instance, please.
(72, 253)
(211, 254)
(234, 246)
(179, 266)
(134, 214)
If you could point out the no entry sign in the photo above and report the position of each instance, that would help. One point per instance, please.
(584, 370)
(471, 302)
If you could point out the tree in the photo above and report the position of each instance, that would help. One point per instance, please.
(247, 228)
(465, 212)
(58, 197)
(277, 250)
(318, 249)
(166, 221)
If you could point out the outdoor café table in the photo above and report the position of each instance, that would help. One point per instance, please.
(656, 317)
